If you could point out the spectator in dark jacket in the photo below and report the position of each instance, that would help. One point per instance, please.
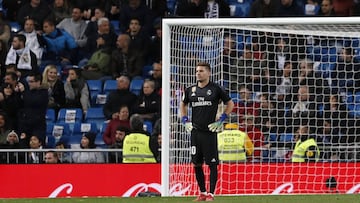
(119, 97)
(35, 9)
(148, 105)
(126, 60)
(290, 8)
(32, 111)
(203, 8)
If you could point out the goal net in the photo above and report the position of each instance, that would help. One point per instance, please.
(289, 78)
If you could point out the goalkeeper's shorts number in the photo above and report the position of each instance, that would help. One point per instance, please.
(193, 150)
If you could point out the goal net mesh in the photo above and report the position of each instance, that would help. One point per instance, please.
(286, 81)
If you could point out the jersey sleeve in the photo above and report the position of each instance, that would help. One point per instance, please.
(185, 96)
(224, 96)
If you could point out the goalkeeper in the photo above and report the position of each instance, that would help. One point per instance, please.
(204, 98)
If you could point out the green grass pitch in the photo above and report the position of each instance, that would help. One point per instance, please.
(354, 198)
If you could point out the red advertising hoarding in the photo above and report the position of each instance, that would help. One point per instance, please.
(94, 180)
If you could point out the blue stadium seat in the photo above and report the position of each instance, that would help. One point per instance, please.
(99, 142)
(286, 137)
(95, 87)
(56, 131)
(109, 86)
(50, 116)
(136, 86)
(147, 71)
(95, 115)
(81, 128)
(116, 25)
(148, 126)
(72, 140)
(103, 128)
(70, 115)
(50, 142)
(15, 26)
(235, 97)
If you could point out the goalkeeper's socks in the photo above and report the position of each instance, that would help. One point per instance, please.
(213, 178)
(200, 178)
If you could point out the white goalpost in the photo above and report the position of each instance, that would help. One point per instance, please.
(289, 77)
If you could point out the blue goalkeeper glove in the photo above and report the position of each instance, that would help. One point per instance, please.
(218, 125)
(188, 125)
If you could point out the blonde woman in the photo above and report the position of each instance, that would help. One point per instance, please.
(55, 87)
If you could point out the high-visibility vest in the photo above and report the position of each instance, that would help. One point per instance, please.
(231, 145)
(136, 149)
(301, 148)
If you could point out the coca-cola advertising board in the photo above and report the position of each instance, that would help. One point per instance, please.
(115, 180)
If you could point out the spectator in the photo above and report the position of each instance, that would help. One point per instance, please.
(55, 88)
(34, 40)
(136, 9)
(290, 8)
(51, 157)
(120, 133)
(158, 8)
(336, 110)
(306, 148)
(88, 142)
(283, 92)
(234, 145)
(64, 157)
(148, 105)
(308, 76)
(346, 75)
(327, 8)
(119, 97)
(10, 99)
(140, 40)
(75, 26)
(271, 115)
(22, 56)
(157, 77)
(60, 9)
(92, 25)
(156, 43)
(248, 70)
(60, 45)
(12, 7)
(32, 112)
(303, 111)
(3, 53)
(12, 142)
(264, 8)
(203, 8)
(77, 93)
(112, 9)
(4, 128)
(35, 9)
(101, 42)
(155, 141)
(119, 119)
(279, 56)
(246, 105)
(5, 30)
(248, 126)
(311, 8)
(126, 59)
(139, 140)
(35, 157)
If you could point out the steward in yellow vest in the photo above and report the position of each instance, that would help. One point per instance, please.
(306, 148)
(234, 145)
(136, 147)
